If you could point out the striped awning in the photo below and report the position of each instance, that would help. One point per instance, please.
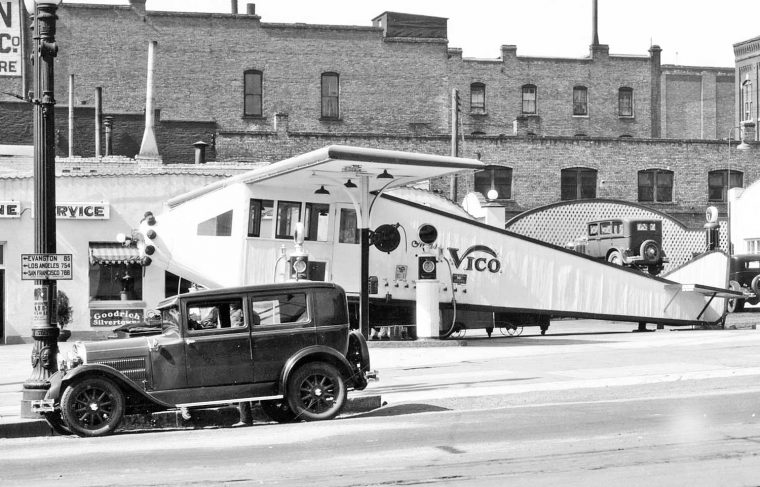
(113, 253)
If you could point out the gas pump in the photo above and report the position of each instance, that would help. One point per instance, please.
(298, 260)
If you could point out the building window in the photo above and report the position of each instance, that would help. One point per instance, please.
(218, 226)
(330, 96)
(115, 272)
(529, 100)
(288, 214)
(580, 101)
(717, 187)
(494, 178)
(315, 224)
(625, 102)
(656, 185)
(260, 218)
(478, 97)
(174, 284)
(253, 91)
(578, 183)
(747, 100)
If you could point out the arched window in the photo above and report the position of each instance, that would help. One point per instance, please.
(656, 185)
(718, 183)
(330, 96)
(494, 178)
(529, 106)
(477, 97)
(746, 100)
(578, 183)
(625, 102)
(580, 101)
(252, 98)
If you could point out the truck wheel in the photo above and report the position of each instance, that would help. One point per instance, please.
(615, 258)
(278, 410)
(93, 406)
(316, 391)
(734, 305)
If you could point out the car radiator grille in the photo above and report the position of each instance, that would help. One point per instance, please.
(134, 368)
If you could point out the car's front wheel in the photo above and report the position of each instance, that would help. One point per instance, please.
(278, 410)
(93, 406)
(316, 391)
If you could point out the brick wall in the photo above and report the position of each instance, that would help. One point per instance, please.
(537, 163)
(388, 85)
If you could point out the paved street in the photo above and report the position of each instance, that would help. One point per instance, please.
(588, 404)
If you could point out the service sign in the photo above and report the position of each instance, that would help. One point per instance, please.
(45, 267)
(10, 209)
(10, 38)
(82, 211)
(116, 317)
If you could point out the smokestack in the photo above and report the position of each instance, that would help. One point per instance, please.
(98, 114)
(234, 6)
(149, 147)
(71, 115)
(595, 36)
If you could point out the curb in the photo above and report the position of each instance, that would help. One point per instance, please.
(219, 417)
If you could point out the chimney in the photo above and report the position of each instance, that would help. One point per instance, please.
(108, 123)
(594, 31)
(233, 6)
(149, 147)
(251, 9)
(138, 6)
(200, 152)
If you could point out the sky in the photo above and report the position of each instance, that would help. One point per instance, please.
(690, 32)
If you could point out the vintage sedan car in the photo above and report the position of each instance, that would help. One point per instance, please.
(744, 275)
(286, 345)
(623, 241)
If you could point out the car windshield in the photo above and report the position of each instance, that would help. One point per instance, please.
(170, 320)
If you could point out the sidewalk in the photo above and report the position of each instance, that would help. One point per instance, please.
(432, 369)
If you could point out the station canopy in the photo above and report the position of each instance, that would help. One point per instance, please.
(336, 164)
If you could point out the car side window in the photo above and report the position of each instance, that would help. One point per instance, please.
(280, 308)
(593, 230)
(617, 228)
(215, 313)
(605, 228)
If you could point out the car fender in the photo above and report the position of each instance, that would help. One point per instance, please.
(60, 381)
(318, 353)
(361, 342)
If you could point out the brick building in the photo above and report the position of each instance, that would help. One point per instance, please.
(265, 91)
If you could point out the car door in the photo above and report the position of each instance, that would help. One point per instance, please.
(283, 324)
(217, 343)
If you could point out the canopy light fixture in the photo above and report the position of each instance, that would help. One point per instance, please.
(349, 184)
(321, 190)
(385, 175)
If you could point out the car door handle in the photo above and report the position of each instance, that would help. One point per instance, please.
(190, 341)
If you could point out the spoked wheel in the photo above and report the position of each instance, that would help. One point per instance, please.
(459, 333)
(511, 330)
(56, 423)
(316, 391)
(93, 406)
(278, 410)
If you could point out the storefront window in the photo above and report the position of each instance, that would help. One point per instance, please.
(115, 272)
(349, 232)
(260, 219)
(288, 214)
(317, 216)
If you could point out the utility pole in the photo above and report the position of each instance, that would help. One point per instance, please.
(44, 323)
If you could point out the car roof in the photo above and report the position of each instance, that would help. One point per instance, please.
(223, 291)
(653, 220)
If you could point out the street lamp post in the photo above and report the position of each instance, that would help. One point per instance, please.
(742, 146)
(44, 324)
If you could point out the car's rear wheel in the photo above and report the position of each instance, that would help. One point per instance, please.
(316, 391)
(93, 406)
(278, 410)
(615, 258)
(654, 269)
